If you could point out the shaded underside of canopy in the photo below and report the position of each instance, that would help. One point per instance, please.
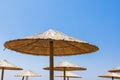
(40, 44)
(41, 47)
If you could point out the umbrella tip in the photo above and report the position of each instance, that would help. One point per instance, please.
(51, 30)
(3, 60)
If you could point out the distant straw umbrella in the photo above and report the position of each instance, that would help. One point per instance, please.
(5, 65)
(115, 70)
(110, 75)
(65, 66)
(27, 73)
(50, 43)
(69, 74)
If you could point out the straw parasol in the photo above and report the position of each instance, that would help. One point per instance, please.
(110, 75)
(5, 65)
(27, 73)
(69, 74)
(65, 66)
(115, 70)
(50, 43)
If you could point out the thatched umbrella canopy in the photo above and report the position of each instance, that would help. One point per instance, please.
(27, 73)
(68, 66)
(65, 66)
(110, 75)
(5, 65)
(69, 74)
(115, 70)
(50, 43)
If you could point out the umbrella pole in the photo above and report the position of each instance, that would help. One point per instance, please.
(51, 61)
(67, 78)
(112, 78)
(26, 77)
(23, 78)
(64, 74)
(2, 75)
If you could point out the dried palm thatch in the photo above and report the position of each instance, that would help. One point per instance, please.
(110, 75)
(27, 73)
(5, 65)
(65, 65)
(8, 66)
(69, 74)
(39, 44)
(115, 70)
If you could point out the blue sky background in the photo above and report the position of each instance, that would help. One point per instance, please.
(94, 21)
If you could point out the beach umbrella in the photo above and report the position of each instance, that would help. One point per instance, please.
(69, 74)
(27, 73)
(65, 66)
(50, 43)
(110, 75)
(115, 70)
(5, 65)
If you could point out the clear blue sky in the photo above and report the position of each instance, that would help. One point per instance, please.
(94, 21)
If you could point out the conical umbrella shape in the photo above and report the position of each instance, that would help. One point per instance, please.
(39, 44)
(27, 73)
(65, 66)
(50, 43)
(68, 66)
(110, 75)
(69, 74)
(115, 70)
(5, 65)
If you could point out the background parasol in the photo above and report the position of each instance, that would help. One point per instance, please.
(110, 75)
(69, 74)
(27, 73)
(115, 70)
(65, 66)
(5, 65)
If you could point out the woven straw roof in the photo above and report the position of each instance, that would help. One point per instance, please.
(67, 65)
(8, 66)
(39, 44)
(27, 73)
(110, 75)
(115, 70)
(69, 74)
